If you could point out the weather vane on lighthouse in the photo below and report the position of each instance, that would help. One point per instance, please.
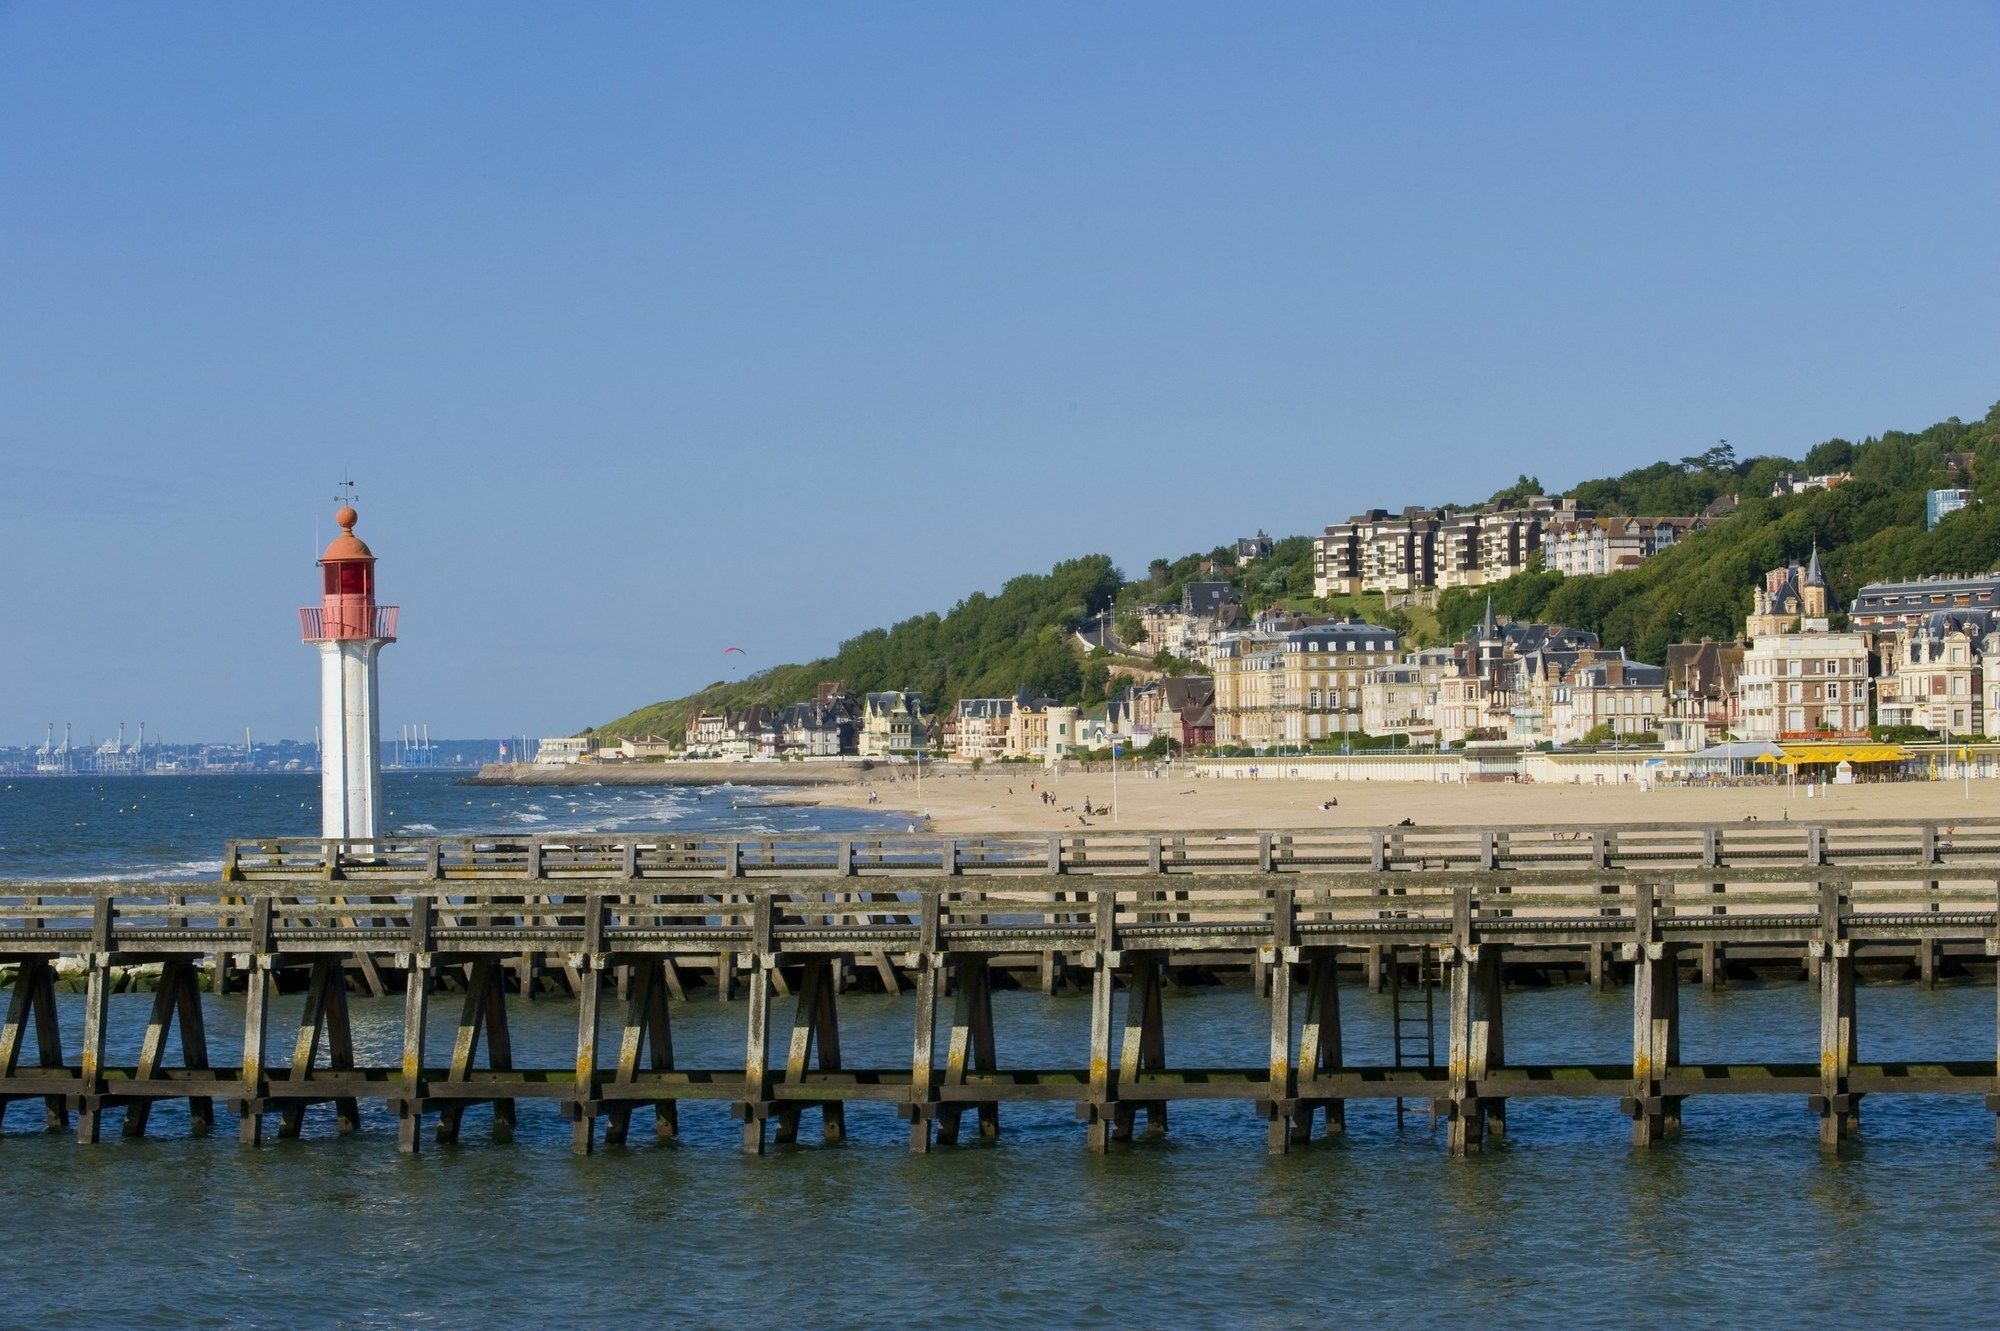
(350, 630)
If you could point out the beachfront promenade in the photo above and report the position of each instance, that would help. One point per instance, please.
(629, 922)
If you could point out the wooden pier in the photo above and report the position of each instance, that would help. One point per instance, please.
(629, 921)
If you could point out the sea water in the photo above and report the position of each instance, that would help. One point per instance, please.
(1741, 1219)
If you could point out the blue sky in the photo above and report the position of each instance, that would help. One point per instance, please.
(651, 329)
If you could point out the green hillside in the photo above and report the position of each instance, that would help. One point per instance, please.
(1868, 529)
(985, 646)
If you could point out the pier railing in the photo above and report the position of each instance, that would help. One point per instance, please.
(589, 916)
(1644, 847)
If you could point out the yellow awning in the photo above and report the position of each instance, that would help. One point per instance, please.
(1801, 755)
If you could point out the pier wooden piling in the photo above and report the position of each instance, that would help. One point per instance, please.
(636, 921)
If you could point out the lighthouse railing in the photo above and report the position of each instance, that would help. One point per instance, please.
(315, 626)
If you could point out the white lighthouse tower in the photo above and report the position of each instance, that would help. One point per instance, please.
(350, 631)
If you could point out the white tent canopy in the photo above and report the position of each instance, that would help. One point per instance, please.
(1736, 750)
(1732, 757)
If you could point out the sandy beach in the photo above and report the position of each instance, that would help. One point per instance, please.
(968, 803)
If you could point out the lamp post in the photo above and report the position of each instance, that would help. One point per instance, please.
(1115, 802)
(1965, 754)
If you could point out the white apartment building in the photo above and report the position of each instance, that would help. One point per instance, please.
(892, 724)
(1578, 546)
(1510, 537)
(1455, 562)
(1810, 685)
(1377, 551)
(1403, 699)
(1420, 549)
(981, 728)
(1936, 675)
(561, 750)
(1909, 605)
(1629, 697)
(1296, 687)
(1797, 483)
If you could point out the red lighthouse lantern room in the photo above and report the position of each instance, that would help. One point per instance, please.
(347, 609)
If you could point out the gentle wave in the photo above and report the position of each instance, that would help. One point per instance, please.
(189, 869)
(86, 831)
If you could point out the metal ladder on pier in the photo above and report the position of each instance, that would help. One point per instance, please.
(1413, 1019)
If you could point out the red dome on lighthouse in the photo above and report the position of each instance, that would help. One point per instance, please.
(346, 546)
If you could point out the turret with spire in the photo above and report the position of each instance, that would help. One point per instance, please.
(1814, 591)
(1487, 648)
(1791, 599)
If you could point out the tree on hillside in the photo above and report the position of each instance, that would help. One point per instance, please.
(1831, 456)
(1720, 460)
(1760, 474)
(1096, 678)
(1524, 487)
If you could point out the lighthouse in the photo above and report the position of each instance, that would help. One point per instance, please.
(350, 630)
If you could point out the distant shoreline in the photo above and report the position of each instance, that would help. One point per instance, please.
(672, 774)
